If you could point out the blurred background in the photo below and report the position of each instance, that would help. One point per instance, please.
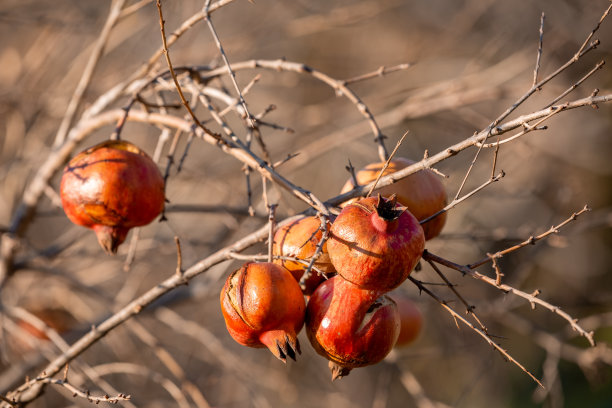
(471, 60)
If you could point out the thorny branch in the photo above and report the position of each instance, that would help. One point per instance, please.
(532, 298)
(482, 333)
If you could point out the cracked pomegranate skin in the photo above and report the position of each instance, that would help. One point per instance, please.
(373, 252)
(263, 306)
(300, 239)
(422, 192)
(351, 327)
(111, 188)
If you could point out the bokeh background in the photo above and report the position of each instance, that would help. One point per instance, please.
(472, 59)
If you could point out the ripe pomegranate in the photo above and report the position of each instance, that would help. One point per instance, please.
(411, 319)
(375, 244)
(110, 188)
(422, 192)
(300, 239)
(263, 306)
(350, 326)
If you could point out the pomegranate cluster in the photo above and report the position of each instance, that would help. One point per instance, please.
(374, 245)
(343, 301)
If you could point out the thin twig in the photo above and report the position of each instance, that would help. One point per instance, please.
(599, 65)
(381, 71)
(232, 75)
(83, 394)
(531, 240)
(457, 201)
(468, 308)
(539, 57)
(533, 299)
(495, 160)
(584, 45)
(174, 78)
(526, 129)
(272, 226)
(179, 256)
(337, 85)
(245, 91)
(384, 167)
(318, 250)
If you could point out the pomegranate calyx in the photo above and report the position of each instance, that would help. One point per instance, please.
(386, 208)
(110, 237)
(282, 344)
(338, 371)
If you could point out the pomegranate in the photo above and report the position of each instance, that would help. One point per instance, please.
(263, 306)
(411, 319)
(300, 239)
(422, 192)
(350, 326)
(111, 188)
(375, 244)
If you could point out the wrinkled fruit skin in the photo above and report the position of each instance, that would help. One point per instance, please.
(373, 252)
(111, 188)
(349, 326)
(422, 192)
(300, 239)
(411, 319)
(263, 306)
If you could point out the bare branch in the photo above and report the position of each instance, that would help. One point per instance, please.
(481, 333)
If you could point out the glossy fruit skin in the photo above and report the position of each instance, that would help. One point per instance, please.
(349, 326)
(411, 319)
(300, 239)
(372, 251)
(422, 192)
(263, 306)
(111, 188)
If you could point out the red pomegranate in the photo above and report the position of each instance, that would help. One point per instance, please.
(111, 188)
(375, 244)
(350, 326)
(422, 192)
(300, 239)
(263, 306)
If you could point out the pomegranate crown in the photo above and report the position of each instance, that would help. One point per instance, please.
(388, 209)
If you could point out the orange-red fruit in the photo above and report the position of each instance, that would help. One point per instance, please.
(263, 306)
(111, 188)
(422, 192)
(411, 319)
(300, 239)
(375, 244)
(349, 326)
